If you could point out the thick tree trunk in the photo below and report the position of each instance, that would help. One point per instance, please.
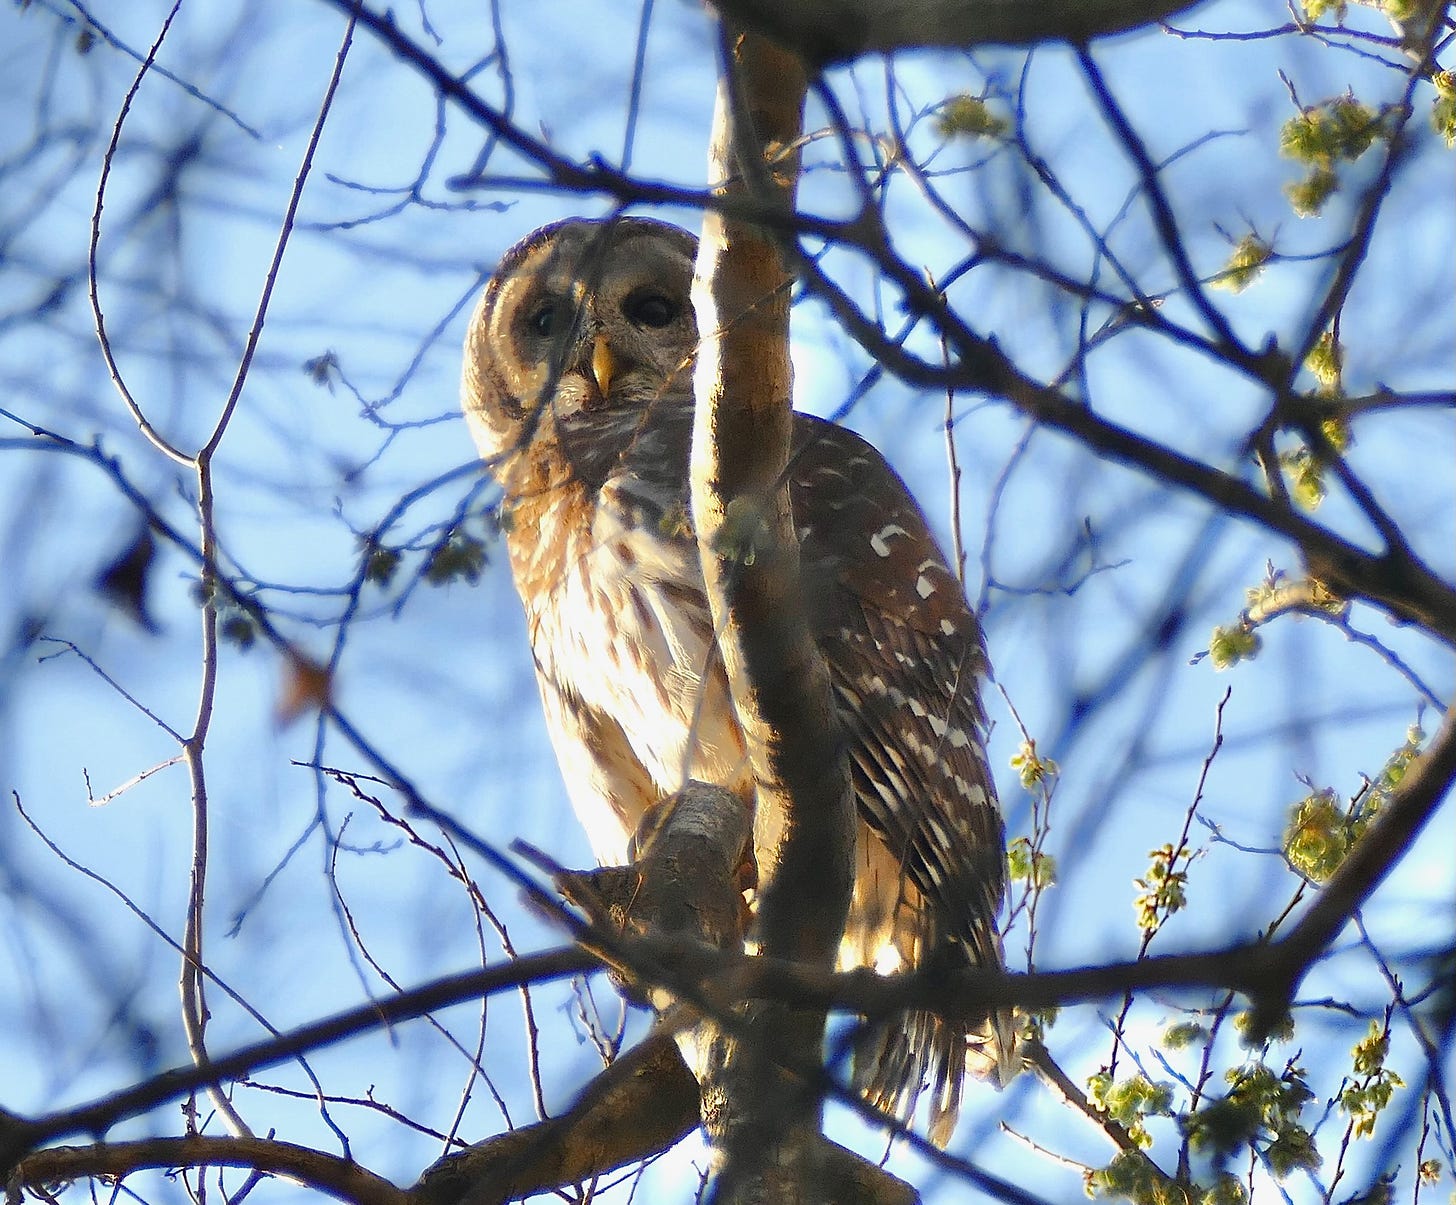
(764, 1122)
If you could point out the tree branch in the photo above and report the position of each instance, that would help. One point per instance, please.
(765, 1123)
(642, 1104)
(330, 1174)
(1405, 588)
(19, 1135)
(1425, 786)
(832, 31)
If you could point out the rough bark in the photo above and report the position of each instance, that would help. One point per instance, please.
(642, 1104)
(686, 881)
(763, 1122)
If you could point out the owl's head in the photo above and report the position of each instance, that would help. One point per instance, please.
(583, 325)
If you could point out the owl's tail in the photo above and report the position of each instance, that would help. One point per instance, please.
(901, 1058)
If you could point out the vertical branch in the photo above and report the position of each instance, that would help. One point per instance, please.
(193, 972)
(194, 1004)
(741, 512)
(764, 1124)
(190, 984)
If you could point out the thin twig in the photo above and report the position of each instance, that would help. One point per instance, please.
(144, 425)
(194, 1005)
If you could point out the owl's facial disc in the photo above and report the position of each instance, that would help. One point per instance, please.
(612, 349)
(585, 323)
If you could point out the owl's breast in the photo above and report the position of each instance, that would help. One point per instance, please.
(635, 695)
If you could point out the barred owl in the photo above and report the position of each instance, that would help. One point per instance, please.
(578, 390)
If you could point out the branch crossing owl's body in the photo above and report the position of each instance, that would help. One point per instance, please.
(578, 387)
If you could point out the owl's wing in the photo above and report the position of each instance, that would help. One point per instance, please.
(906, 659)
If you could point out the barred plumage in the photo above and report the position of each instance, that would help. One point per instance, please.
(578, 387)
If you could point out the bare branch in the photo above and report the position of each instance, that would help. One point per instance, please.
(642, 1104)
(834, 31)
(340, 1178)
(155, 437)
(19, 1136)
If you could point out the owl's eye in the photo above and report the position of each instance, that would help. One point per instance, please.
(650, 309)
(543, 318)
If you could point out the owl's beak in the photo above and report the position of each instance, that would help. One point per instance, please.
(603, 365)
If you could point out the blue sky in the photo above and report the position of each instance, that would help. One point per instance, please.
(439, 679)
